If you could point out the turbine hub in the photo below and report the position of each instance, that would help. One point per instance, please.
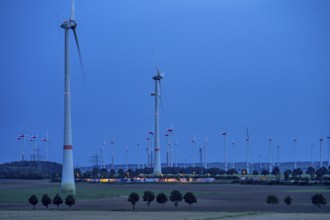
(71, 24)
(158, 77)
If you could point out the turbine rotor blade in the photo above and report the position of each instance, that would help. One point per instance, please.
(73, 12)
(79, 53)
(160, 97)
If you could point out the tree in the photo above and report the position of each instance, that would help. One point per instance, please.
(77, 173)
(148, 197)
(161, 198)
(272, 200)
(232, 171)
(70, 200)
(311, 171)
(121, 173)
(321, 172)
(95, 172)
(133, 198)
(319, 200)
(57, 200)
(112, 173)
(276, 171)
(189, 198)
(176, 197)
(297, 173)
(287, 174)
(87, 174)
(255, 172)
(104, 173)
(288, 200)
(46, 200)
(33, 200)
(264, 172)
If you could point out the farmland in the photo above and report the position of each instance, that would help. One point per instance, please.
(214, 200)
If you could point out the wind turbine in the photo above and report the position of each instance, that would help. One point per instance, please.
(46, 145)
(170, 133)
(167, 150)
(224, 133)
(278, 156)
(321, 141)
(157, 163)
(270, 155)
(328, 150)
(233, 155)
(112, 142)
(294, 153)
(68, 184)
(205, 145)
(247, 151)
(21, 137)
(193, 141)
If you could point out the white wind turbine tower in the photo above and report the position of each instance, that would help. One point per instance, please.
(112, 142)
(193, 141)
(21, 137)
(224, 133)
(170, 133)
(68, 184)
(247, 151)
(46, 145)
(270, 155)
(321, 143)
(294, 153)
(328, 150)
(233, 154)
(205, 145)
(278, 156)
(157, 164)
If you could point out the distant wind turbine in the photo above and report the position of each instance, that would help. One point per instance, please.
(321, 143)
(170, 137)
(68, 184)
(224, 133)
(193, 141)
(46, 146)
(328, 150)
(21, 137)
(205, 146)
(112, 142)
(157, 164)
(247, 151)
(278, 156)
(270, 155)
(294, 153)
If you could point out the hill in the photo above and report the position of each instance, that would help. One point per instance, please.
(30, 170)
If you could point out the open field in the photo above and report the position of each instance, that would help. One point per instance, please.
(178, 215)
(215, 201)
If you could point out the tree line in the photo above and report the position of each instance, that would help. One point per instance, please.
(57, 200)
(317, 199)
(175, 197)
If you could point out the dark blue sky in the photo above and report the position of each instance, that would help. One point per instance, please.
(228, 64)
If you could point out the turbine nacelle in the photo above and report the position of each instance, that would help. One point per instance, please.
(158, 76)
(71, 24)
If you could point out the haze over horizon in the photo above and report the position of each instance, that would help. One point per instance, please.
(228, 65)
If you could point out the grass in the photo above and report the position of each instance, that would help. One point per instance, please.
(318, 190)
(85, 191)
(224, 215)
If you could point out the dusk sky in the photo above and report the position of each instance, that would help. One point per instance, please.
(227, 64)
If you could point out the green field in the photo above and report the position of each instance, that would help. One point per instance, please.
(215, 197)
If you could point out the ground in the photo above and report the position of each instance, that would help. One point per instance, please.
(215, 201)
